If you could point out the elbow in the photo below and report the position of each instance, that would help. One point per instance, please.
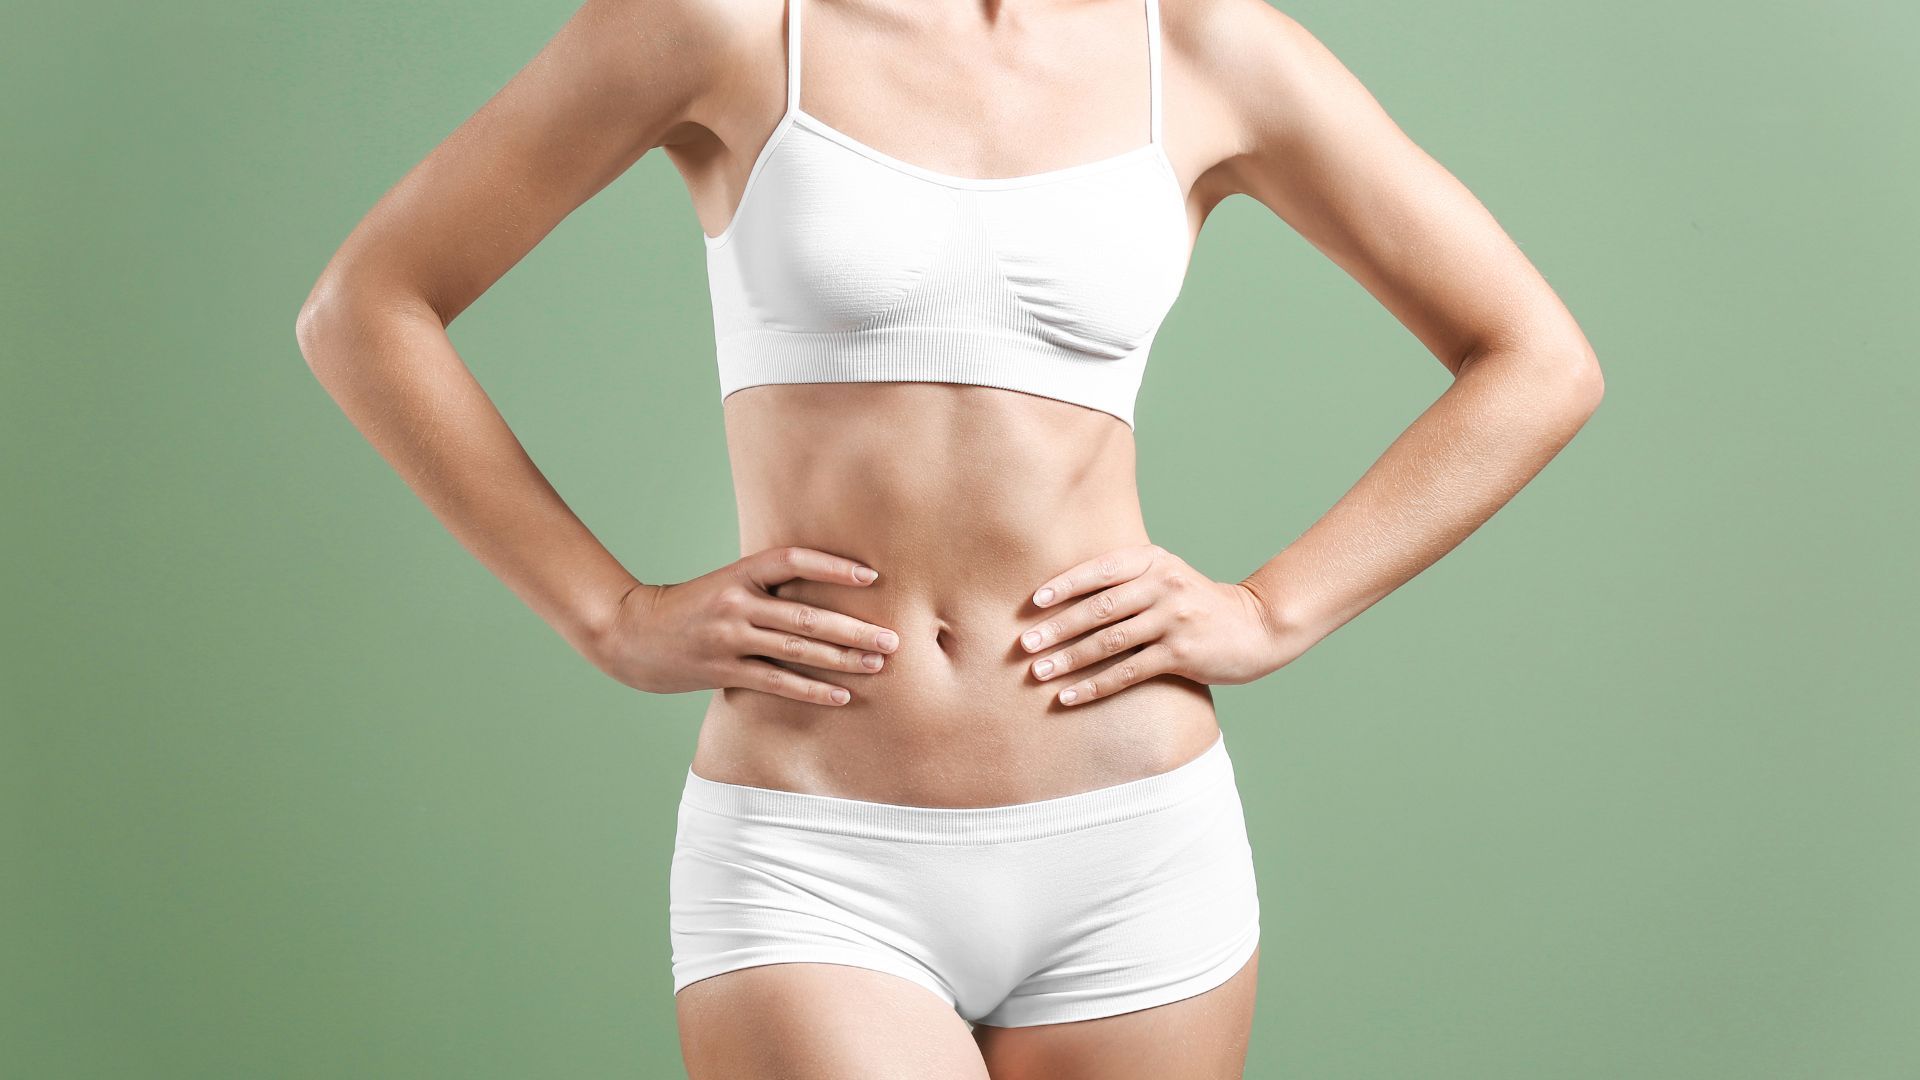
(337, 316)
(1559, 374)
(347, 309)
(1566, 372)
(1584, 384)
(1560, 380)
(1570, 388)
(306, 332)
(313, 324)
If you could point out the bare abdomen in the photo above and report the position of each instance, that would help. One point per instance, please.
(966, 499)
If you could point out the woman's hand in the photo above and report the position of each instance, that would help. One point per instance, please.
(1149, 599)
(714, 631)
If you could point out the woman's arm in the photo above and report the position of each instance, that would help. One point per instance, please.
(618, 79)
(1318, 150)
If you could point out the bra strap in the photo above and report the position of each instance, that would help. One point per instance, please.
(793, 55)
(1153, 64)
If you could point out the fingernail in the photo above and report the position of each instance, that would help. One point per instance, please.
(840, 696)
(887, 640)
(1043, 597)
(1031, 639)
(1043, 669)
(865, 573)
(1067, 697)
(873, 660)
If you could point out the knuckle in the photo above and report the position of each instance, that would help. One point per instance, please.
(1176, 581)
(793, 646)
(1054, 629)
(1126, 673)
(1108, 567)
(1103, 606)
(806, 619)
(1113, 639)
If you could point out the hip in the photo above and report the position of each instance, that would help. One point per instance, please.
(1105, 901)
(936, 734)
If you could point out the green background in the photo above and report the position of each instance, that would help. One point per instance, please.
(1623, 787)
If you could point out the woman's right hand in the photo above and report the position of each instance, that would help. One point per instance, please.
(717, 630)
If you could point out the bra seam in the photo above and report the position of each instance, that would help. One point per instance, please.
(801, 118)
(774, 139)
(788, 121)
(934, 176)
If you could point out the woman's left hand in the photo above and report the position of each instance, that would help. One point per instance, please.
(1149, 599)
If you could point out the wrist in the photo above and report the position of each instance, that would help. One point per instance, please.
(1288, 626)
(594, 626)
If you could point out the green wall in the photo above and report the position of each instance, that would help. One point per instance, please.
(1626, 786)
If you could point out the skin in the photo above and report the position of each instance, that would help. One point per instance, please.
(966, 500)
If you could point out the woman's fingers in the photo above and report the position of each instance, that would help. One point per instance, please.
(791, 632)
(1105, 642)
(710, 632)
(795, 649)
(792, 616)
(1096, 573)
(784, 563)
(771, 678)
(1100, 609)
(1156, 659)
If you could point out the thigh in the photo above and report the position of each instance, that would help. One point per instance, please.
(815, 1021)
(1203, 1037)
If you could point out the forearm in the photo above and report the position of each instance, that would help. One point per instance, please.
(1506, 415)
(393, 370)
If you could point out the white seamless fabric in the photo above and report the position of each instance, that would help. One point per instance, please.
(845, 264)
(1092, 904)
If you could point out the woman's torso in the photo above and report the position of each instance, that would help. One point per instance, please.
(966, 499)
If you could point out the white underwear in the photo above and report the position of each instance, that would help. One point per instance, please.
(1088, 905)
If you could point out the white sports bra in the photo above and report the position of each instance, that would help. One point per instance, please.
(845, 264)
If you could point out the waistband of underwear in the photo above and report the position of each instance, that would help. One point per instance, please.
(964, 824)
